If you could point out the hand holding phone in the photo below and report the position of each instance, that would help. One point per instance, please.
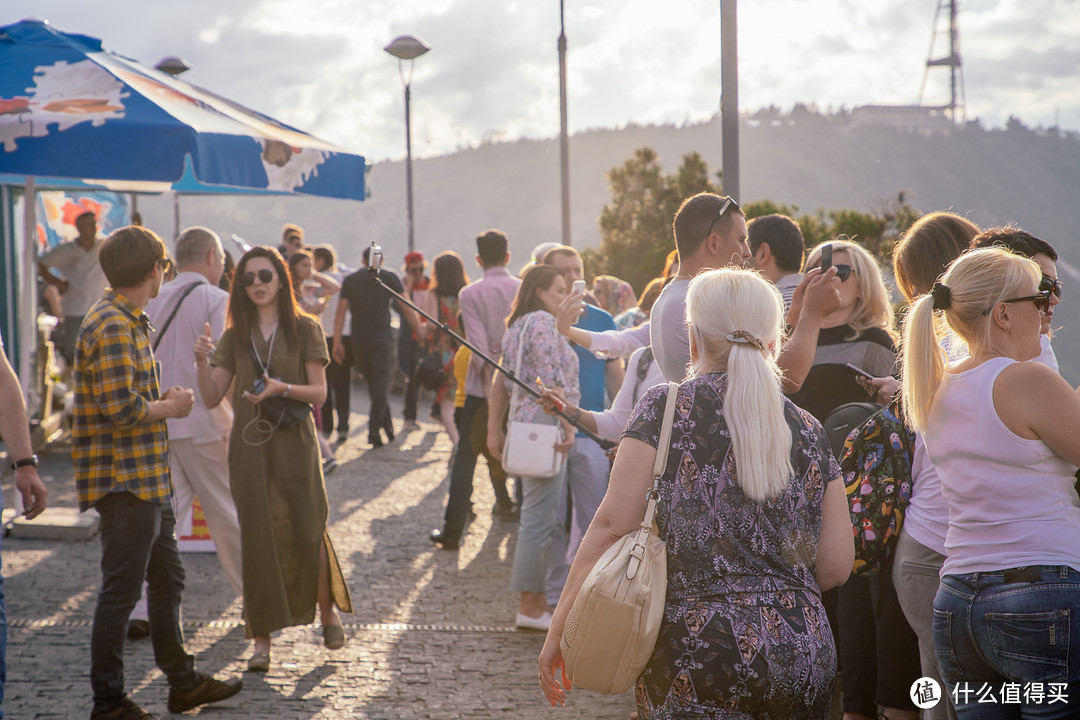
(578, 288)
(859, 371)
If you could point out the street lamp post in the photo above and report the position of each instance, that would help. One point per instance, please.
(407, 47)
(564, 137)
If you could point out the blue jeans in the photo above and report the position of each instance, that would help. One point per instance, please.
(138, 541)
(538, 528)
(1010, 626)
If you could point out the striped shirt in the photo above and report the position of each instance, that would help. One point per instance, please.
(115, 379)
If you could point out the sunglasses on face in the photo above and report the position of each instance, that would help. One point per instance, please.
(416, 269)
(842, 271)
(1042, 301)
(728, 203)
(1050, 284)
(264, 276)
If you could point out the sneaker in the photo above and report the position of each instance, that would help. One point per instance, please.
(329, 465)
(524, 622)
(410, 425)
(506, 511)
(126, 710)
(207, 690)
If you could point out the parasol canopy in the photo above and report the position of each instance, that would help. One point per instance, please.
(71, 109)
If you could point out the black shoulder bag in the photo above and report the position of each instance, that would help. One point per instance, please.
(277, 410)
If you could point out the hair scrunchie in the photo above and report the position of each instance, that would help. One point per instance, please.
(942, 296)
(742, 336)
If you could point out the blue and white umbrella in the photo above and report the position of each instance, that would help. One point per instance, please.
(71, 109)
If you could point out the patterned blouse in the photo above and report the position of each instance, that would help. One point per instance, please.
(546, 355)
(721, 544)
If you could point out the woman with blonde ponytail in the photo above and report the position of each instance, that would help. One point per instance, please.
(753, 512)
(1000, 430)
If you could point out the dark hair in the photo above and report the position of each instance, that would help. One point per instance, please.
(538, 277)
(325, 254)
(242, 313)
(227, 275)
(128, 256)
(449, 276)
(651, 294)
(696, 216)
(927, 248)
(491, 246)
(294, 260)
(1014, 240)
(782, 235)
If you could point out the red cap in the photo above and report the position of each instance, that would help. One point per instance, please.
(414, 256)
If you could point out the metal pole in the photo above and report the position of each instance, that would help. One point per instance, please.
(408, 164)
(564, 137)
(729, 97)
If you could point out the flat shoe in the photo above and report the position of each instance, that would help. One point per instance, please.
(333, 636)
(524, 622)
(259, 662)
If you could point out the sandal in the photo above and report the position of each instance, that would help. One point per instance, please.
(259, 662)
(333, 636)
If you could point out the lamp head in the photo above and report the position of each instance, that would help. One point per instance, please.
(407, 47)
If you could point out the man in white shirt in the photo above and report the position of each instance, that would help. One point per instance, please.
(83, 282)
(198, 443)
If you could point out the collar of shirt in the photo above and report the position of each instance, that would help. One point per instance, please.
(128, 306)
(497, 270)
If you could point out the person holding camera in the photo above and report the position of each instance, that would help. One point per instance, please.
(274, 355)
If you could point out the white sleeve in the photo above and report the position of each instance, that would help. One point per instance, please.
(620, 343)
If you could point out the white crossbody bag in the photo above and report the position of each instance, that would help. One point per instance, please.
(529, 450)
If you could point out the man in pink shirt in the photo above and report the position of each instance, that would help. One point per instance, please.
(485, 304)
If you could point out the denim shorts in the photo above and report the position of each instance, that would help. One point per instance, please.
(1010, 626)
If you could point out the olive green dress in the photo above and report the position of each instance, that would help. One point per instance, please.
(277, 484)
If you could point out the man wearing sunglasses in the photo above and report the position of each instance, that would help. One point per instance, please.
(1024, 243)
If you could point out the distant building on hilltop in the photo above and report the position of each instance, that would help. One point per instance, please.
(909, 118)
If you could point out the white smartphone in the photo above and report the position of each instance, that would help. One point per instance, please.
(859, 371)
(579, 287)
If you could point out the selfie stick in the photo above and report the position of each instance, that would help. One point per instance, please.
(375, 261)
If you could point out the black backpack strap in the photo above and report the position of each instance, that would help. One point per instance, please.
(168, 321)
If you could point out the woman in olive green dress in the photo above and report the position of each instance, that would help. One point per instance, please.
(275, 472)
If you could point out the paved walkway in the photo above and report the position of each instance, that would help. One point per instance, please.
(432, 636)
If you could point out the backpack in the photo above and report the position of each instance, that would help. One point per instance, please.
(876, 466)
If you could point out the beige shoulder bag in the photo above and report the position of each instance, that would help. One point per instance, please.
(611, 629)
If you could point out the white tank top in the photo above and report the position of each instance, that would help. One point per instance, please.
(1012, 501)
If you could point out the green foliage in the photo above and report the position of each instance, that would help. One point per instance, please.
(636, 226)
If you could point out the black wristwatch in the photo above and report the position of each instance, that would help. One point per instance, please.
(25, 462)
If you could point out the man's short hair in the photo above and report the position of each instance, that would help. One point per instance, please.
(550, 255)
(290, 231)
(193, 244)
(782, 235)
(491, 246)
(128, 256)
(325, 255)
(1014, 240)
(697, 216)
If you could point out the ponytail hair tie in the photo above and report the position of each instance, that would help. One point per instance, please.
(742, 336)
(942, 296)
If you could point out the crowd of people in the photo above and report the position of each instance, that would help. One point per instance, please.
(231, 385)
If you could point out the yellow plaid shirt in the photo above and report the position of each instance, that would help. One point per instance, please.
(115, 379)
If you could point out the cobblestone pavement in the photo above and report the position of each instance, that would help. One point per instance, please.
(432, 635)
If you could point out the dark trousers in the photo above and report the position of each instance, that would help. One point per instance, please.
(459, 504)
(375, 359)
(338, 389)
(138, 542)
(408, 355)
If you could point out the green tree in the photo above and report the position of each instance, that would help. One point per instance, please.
(636, 226)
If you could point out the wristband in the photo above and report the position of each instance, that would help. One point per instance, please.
(31, 461)
(288, 388)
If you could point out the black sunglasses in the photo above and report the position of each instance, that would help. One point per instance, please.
(728, 202)
(1052, 285)
(1042, 301)
(842, 271)
(265, 277)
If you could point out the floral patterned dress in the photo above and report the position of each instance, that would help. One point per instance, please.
(546, 355)
(443, 344)
(744, 634)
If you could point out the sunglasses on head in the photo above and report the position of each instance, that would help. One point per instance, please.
(729, 202)
(1050, 284)
(842, 271)
(265, 277)
(1042, 301)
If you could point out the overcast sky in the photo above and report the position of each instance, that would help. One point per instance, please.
(492, 72)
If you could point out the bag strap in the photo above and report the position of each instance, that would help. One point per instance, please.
(168, 321)
(637, 552)
(517, 365)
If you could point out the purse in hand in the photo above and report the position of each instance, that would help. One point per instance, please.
(611, 629)
(279, 411)
(529, 449)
